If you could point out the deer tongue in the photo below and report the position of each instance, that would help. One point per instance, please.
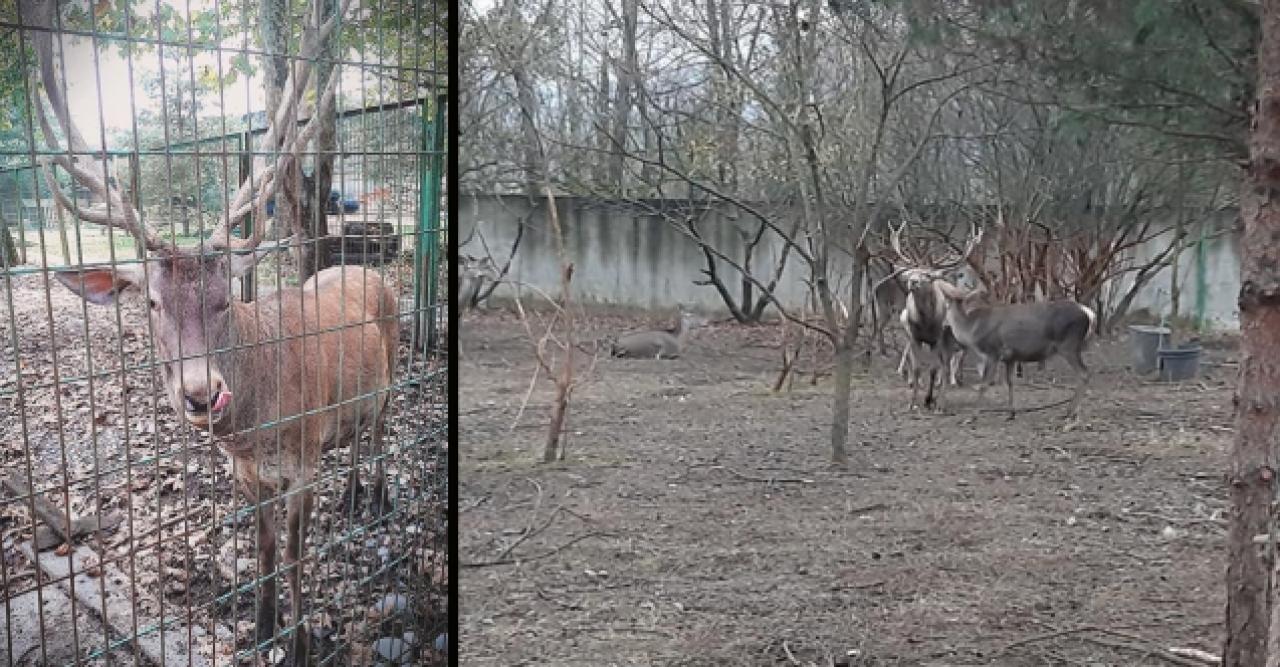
(224, 397)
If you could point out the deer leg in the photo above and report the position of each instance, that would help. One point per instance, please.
(298, 512)
(1008, 382)
(903, 370)
(381, 498)
(930, 401)
(986, 376)
(915, 376)
(914, 353)
(938, 369)
(1077, 363)
(354, 493)
(264, 518)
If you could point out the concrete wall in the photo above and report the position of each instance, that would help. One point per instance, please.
(626, 255)
(1221, 275)
(623, 254)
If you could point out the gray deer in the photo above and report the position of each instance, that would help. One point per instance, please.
(660, 343)
(1020, 332)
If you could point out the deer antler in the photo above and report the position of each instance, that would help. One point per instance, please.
(895, 242)
(975, 237)
(287, 141)
(119, 213)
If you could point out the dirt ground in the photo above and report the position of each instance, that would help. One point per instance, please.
(696, 520)
(82, 417)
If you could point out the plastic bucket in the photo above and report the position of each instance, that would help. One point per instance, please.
(1144, 341)
(1179, 363)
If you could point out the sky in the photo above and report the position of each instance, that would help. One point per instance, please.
(109, 71)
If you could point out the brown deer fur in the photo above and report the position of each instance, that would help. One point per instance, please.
(307, 369)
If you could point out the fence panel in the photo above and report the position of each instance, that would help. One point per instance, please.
(223, 428)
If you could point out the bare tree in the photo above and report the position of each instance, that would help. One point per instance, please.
(557, 344)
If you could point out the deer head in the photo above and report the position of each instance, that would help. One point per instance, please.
(188, 290)
(921, 268)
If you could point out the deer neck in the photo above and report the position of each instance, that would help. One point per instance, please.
(962, 319)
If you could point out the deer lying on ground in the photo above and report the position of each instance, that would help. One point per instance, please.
(276, 381)
(924, 316)
(1021, 332)
(661, 343)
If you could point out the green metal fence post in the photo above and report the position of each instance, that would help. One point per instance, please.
(1200, 280)
(427, 255)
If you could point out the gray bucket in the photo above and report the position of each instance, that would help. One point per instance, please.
(1144, 340)
(1179, 363)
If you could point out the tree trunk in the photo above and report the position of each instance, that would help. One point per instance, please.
(528, 130)
(63, 243)
(1251, 477)
(844, 362)
(315, 205)
(624, 102)
(274, 15)
(840, 404)
(602, 114)
(564, 381)
(8, 250)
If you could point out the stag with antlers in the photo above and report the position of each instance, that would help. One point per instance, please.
(924, 315)
(276, 381)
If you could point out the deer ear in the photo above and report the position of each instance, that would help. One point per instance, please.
(101, 286)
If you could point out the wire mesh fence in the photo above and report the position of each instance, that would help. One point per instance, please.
(222, 375)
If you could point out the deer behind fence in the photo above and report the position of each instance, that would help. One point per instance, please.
(276, 381)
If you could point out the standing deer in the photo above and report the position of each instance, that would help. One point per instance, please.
(888, 295)
(924, 316)
(660, 343)
(1021, 332)
(276, 381)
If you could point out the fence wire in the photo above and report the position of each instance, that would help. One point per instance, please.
(130, 533)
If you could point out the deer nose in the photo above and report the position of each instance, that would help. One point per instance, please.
(199, 401)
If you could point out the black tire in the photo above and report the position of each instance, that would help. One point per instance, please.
(375, 229)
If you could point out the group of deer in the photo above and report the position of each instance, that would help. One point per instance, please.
(277, 381)
(944, 321)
